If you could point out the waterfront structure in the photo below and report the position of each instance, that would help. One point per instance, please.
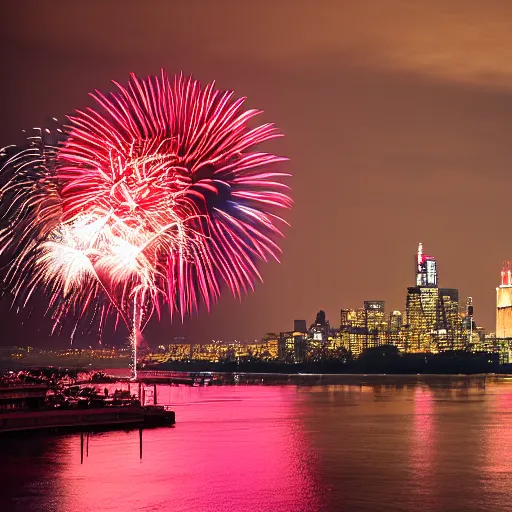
(218, 351)
(477, 340)
(180, 351)
(211, 352)
(504, 303)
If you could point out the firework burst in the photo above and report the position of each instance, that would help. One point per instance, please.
(155, 197)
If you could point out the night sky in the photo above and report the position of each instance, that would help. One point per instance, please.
(397, 117)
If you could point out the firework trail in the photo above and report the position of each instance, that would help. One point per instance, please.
(155, 197)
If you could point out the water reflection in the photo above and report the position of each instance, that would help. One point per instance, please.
(29, 473)
(497, 438)
(249, 448)
(422, 441)
(395, 445)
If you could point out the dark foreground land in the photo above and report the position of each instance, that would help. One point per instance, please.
(380, 360)
(373, 361)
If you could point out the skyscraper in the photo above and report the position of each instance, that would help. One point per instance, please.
(432, 313)
(504, 303)
(426, 269)
(395, 330)
(364, 328)
(422, 312)
(449, 335)
(375, 323)
(353, 330)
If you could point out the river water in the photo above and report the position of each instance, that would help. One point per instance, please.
(439, 445)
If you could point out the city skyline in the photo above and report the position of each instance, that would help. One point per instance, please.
(426, 273)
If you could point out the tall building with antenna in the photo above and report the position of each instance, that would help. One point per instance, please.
(504, 303)
(426, 269)
(432, 313)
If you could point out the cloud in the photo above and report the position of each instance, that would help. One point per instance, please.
(449, 39)
(462, 40)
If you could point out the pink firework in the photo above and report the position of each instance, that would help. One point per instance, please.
(169, 167)
(154, 197)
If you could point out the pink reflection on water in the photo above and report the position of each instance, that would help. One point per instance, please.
(249, 446)
(422, 442)
(498, 439)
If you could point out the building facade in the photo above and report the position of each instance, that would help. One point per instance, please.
(504, 303)
(433, 320)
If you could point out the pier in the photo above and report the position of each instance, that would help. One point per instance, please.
(22, 396)
(110, 418)
(49, 404)
(173, 377)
